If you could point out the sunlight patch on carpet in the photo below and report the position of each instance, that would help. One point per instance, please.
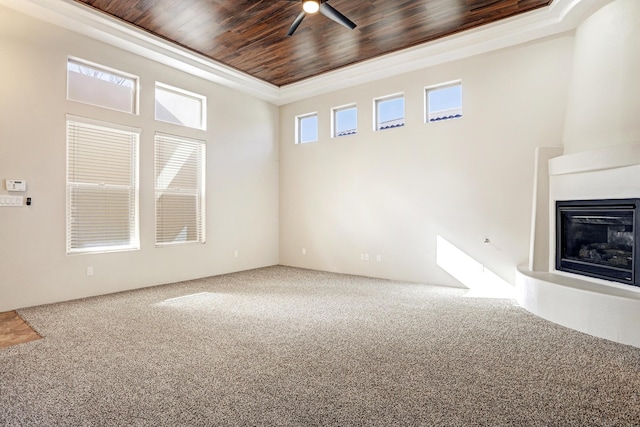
(190, 300)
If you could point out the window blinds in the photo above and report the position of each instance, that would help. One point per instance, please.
(102, 196)
(179, 167)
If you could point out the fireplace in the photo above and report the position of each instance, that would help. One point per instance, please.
(597, 238)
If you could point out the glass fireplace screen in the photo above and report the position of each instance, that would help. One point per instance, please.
(597, 238)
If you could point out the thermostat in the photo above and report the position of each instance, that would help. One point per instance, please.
(16, 185)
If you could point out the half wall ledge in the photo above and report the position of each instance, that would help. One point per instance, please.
(601, 310)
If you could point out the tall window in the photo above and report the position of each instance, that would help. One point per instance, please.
(443, 102)
(345, 120)
(102, 186)
(179, 190)
(180, 107)
(97, 85)
(389, 112)
(307, 128)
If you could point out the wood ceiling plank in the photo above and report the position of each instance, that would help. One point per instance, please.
(250, 35)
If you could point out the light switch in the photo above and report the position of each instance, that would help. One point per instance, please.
(11, 200)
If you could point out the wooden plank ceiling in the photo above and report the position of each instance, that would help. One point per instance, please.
(251, 35)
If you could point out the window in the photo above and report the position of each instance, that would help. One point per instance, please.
(97, 85)
(345, 120)
(389, 112)
(179, 190)
(180, 107)
(102, 186)
(443, 102)
(307, 128)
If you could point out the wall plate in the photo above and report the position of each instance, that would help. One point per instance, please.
(16, 185)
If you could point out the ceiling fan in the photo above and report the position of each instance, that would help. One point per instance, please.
(322, 6)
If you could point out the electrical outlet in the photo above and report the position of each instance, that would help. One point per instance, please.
(379, 258)
(90, 271)
(235, 253)
(366, 257)
(304, 251)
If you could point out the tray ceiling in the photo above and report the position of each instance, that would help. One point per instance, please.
(250, 35)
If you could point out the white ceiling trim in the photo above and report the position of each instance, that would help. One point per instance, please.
(561, 16)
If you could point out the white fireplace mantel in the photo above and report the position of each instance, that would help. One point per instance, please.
(595, 160)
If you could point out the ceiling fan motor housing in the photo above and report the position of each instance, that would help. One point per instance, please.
(313, 6)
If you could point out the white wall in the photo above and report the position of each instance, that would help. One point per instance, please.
(242, 173)
(604, 100)
(394, 192)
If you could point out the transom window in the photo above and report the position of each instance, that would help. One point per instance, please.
(180, 107)
(389, 112)
(101, 86)
(443, 102)
(307, 128)
(345, 120)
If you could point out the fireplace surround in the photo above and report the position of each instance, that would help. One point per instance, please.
(597, 238)
(603, 308)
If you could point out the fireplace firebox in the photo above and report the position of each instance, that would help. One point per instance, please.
(597, 238)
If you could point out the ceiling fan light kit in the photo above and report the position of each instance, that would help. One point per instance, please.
(313, 6)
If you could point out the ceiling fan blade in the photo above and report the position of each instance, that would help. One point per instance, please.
(328, 11)
(296, 23)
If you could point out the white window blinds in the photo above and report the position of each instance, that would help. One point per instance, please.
(102, 187)
(179, 190)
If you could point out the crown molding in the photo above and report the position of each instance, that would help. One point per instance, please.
(560, 16)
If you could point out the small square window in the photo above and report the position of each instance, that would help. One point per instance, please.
(345, 121)
(97, 85)
(443, 102)
(180, 107)
(307, 128)
(389, 112)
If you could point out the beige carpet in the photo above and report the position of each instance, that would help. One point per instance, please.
(289, 347)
